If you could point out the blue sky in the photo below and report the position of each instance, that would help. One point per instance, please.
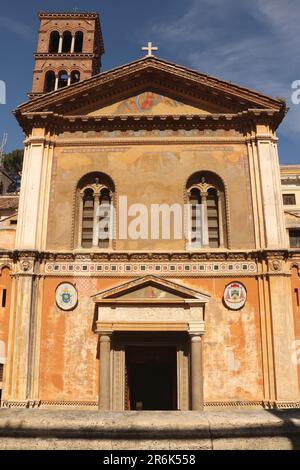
(254, 43)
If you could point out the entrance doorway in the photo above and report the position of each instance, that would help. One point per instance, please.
(151, 378)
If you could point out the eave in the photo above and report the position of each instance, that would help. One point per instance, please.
(158, 74)
(243, 121)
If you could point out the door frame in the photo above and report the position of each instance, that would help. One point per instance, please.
(119, 344)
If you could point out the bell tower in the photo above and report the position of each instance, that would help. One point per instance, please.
(70, 47)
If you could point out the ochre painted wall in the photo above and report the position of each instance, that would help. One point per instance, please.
(296, 310)
(69, 362)
(154, 175)
(7, 239)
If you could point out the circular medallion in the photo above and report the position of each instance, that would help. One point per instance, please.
(66, 296)
(235, 295)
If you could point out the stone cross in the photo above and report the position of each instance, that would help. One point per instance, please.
(149, 49)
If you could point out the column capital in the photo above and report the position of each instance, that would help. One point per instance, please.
(196, 337)
(105, 336)
(196, 329)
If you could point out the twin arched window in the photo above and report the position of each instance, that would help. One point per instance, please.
(61, 80)
(207, 212)
(95, 196)
(66, 43)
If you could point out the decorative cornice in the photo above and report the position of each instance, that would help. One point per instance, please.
(243, 121)
(138, 257)
(156, 74)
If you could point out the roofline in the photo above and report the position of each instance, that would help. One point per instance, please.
(154, 59)
(63, 14)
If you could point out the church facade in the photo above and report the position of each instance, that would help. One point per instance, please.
(138, 319)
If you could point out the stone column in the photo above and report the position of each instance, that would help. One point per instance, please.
(56, 82)
(96, 220)
(24, 329)
(104, 375)
(80, 221)
(111, 221)
(73, 44)
(60, 45)
(69, 79)
(205, 238)
(220, 221)
(196, 372)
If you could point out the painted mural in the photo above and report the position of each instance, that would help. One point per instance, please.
(149, 103)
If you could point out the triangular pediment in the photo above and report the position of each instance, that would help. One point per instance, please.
(151, 288)
(150, 85)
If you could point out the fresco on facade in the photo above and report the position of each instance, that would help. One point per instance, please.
(149, 103)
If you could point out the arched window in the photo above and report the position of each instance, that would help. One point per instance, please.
(54, 42)
(63, 79)
(49, 81)
(75, 76)
(95, 194)
(207, 213)
(78, 42)
(67, 42)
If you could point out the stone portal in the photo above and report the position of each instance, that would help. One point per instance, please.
(150, 332)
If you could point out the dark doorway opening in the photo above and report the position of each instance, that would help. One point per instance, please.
(151, 378)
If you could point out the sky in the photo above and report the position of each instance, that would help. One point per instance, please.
(253, 43)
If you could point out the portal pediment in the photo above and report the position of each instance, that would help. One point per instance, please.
(150, 289)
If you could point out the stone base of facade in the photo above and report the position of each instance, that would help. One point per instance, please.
(93, 405)
(74, 430)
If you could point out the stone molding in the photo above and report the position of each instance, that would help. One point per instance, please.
(62, 404)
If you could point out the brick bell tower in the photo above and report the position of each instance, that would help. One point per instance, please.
(70, 46)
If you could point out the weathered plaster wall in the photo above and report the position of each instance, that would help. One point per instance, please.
(232, 357)
(154, 175)
(7, 239)
(296, 311)
(69, 364)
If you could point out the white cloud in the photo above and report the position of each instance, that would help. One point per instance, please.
(254, 43)
(16, 27)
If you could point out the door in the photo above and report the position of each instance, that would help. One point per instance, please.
(151, 377)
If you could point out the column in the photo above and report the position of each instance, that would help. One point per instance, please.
(205, 238)
(69, 79)
(80, 217)
(196, 372)
(56, 82)
(21, 347)
(31, 193)
(60, 44)
(220, 221)
(73, 43)
(271, 193)
(111, 221)
(104, 374)
(96, 220)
